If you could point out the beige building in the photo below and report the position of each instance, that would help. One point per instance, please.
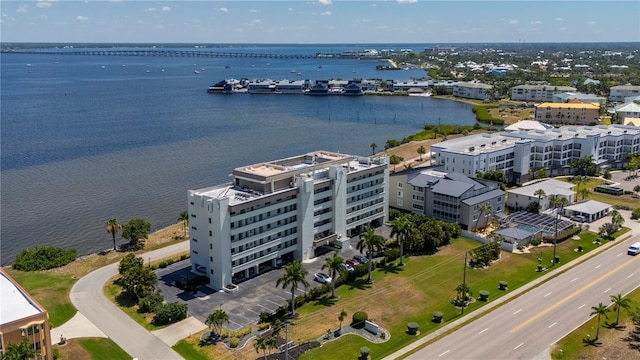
(568, 113)
(22, 317)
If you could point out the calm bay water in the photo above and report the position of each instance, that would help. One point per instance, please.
(81, 143)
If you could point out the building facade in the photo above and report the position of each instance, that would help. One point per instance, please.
(574, 113)
(538, 93)
(519, 198)
(519, 152)
(22, 317)
(451, 197)
(620, 92)
(473, 90)
(282, 210)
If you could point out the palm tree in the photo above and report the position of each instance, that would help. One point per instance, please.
(636, 189)
(335, 265)
(271, 343)
(294, 274)
(373, 148)
(215, 320)
(599, 310)
(341, 317)
(579, 180)
(540, 194)
(370, 241)
(401, 227)
(421, 151)
(184, 217)
(561, 202)
(584, 193)
(616, 218)
(261, 344)
(619, 302)
(486, 208)
(113, 226)
(19, 351)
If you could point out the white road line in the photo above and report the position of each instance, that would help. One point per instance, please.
(598, 266)
(606, 291)
(548, 294)
(581, 306)
(257, 313)
(552, 325)
(483, 331)
(517, 312)
(273, 302)
(516, 348)
(620, 254)
(574, 279)
(629, 276)
(443, 353)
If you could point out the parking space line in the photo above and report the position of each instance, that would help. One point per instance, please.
(273, 302)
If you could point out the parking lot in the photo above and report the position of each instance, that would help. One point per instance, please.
(254, 296)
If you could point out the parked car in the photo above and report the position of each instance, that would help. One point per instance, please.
(347, 267)
(578, 218)
(361, 259)
(322, 278)
(352, 262)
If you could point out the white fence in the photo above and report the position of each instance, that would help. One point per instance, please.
(506, 246)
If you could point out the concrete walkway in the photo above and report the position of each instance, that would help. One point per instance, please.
(180, 330)
(79, 326)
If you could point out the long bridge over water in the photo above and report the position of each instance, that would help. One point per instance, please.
(175, 53)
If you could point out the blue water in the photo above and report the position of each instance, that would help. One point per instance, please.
(81, 144)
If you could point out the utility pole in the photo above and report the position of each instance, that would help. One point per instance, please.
(464, 281)
(286, 339)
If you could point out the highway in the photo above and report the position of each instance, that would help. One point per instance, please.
(529, 325)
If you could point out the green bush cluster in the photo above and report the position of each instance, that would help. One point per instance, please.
(150, 303)
(236, 334)
(170, 313)
(483, 255)
(483, 115)
(568, 235)
(359, 318)
(43, 258)
(391, 254)
(635, 214)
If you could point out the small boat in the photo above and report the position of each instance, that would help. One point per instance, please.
(196, 72)
(103, 67)
(148, 71)
(227, 67)
(319, 66)
(293, 71)
(28, 65)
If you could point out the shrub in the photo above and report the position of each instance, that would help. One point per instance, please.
(635, 214)
(391, 254)
(234, 342)
(150, 302)
(163, 265)
(43, 258)
(535, 242)
(170, 313)
(263, 326)
(359, 318)
(184, 257)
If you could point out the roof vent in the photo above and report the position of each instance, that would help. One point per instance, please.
(483, 145)
(472, 148)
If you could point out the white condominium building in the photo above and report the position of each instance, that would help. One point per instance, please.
(620, 92)
(282, 210)
(538, 93)
(519, 152)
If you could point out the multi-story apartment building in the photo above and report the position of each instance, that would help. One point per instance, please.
(447, 196)
(282, 210)
(473, 90)
(566, 97)
(538, 93)
(22, 317)
(573, 113)
(620, 92)
(519, 152)
(628, 110)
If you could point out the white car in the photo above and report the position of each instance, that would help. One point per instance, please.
(347, 267)
(322, 278)
(634, 249)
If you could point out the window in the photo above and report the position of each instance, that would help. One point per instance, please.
(400, 185)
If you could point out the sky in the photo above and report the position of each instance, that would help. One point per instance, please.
(319, 21)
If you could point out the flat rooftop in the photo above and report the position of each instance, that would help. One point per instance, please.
(293, 164)
(15, 303)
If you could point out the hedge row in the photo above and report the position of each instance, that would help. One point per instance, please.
(483, 115)
(43, 258)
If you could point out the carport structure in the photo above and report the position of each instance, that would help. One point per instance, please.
(591, 210)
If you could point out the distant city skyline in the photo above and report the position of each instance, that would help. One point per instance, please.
(320, 21)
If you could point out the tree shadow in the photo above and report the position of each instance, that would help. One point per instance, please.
(360, 284)
(614, 325)
(392, 268)
(124, 299)
(326, 300)
(591, 342)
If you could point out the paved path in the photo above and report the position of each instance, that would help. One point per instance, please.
(87, 296)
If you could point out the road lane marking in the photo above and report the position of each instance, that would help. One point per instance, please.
(443, 353)
(549, 293)
(571, 296)
(598, 266)
(574, 279)
(620, 254)
(483, 331)
(629, 276)
(552, 325)
(581, 306)
(517, 312)
(606, 291)
(516, 348)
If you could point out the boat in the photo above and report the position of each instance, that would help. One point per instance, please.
(293, 71)
(196, 72)
(148, 71)
(103, 67)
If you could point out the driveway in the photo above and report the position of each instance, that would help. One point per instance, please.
(254, 296)
(620, 178)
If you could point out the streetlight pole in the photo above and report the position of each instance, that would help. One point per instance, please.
(464, 282)
(286, 339)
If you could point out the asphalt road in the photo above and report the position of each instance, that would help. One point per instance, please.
(87, 296)
(528, 326)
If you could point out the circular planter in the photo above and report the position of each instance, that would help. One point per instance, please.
(364, 352)
(437, 317)
(503, 285)
(412, 328)
(484, 295)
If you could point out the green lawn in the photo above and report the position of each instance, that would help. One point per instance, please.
(51, 291)
(103, 349)
(572, 346)
(113, 292)
(435, 277)
(188, 352)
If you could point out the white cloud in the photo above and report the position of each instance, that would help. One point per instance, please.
(536, 22)
(223, 9)
(254, 11)
(325, 13)
(325, 2)
(151, 9)
(257, 21)
(290, 9)
(166, 8)
(22, 9)
(407, 1)
(513, 21)
(374, 5)
(558, 19)
(82, 18)
(44, 4)
(591, 22)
